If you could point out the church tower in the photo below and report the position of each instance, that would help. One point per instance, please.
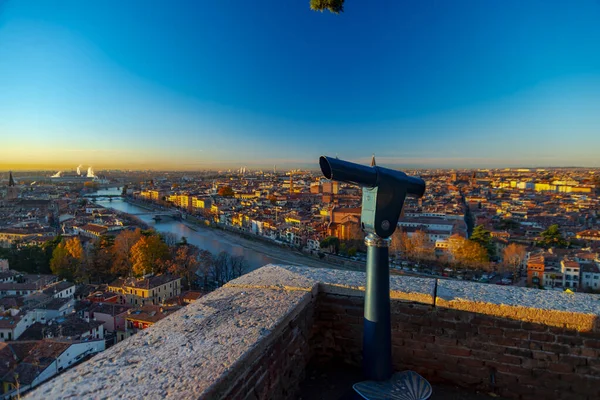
(13, 192)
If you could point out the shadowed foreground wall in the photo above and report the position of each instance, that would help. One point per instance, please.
(253, 339)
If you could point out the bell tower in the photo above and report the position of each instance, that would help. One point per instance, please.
(12, 192)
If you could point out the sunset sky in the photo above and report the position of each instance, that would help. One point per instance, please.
(218, 84)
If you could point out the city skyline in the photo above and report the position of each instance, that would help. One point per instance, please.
(465, 85)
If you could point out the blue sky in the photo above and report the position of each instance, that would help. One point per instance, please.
(204, 84)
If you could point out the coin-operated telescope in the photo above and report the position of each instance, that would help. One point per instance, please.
(384, 191)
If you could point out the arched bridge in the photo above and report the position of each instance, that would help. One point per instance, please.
(102, 196)
(160, 214)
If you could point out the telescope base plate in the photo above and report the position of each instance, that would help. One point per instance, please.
(406, 385)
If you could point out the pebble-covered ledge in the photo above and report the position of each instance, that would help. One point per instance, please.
(208, 343)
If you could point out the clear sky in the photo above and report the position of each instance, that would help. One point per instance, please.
(227, 83)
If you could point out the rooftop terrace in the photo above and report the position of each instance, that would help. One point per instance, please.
(261, 336)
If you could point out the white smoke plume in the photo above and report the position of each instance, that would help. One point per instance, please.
(79, 169)
(90, 173)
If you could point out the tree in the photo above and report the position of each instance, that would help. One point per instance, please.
(331, 243)
(169, 238)
(239, 266)
(421, 249)
(484, 238)
(334, 6)
(149, 255)
(396, 242)
(226, 191)
(67, 258)
(514, 255)
(552, 237)
(121, 249)
(206, 261)
(468, 253)
(185, 263)
(226, 267)
(59, 264)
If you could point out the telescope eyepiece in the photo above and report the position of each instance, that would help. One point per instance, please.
(325, 167)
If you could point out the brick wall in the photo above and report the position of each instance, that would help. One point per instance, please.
(512, 358)
(275, 373)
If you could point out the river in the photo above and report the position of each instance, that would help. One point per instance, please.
(204, 238)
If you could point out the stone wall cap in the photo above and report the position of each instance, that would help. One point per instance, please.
(187, 355)
(276, 277)
(460, 291)
(352, 283)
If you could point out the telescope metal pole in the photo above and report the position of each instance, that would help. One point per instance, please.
(377, 340)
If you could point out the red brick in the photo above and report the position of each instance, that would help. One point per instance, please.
(483, 355)
(531, 364)
(413, 310)
(470, 362)
(355, 312)
(504, 379)
(413, 344)
(555, 348)
(560, 367)
(427, 330)
(483, 321)
(572, 360)
(423, 338)
(532, 327)
(542, 337)
(519, 352)
(457, 351)
(501, 341)
(595, 344)
(484, 330)
(463, 327)
(508, 359)
(421, 321)
(516, 334)
(445, 341)
(507, 323)
(569, 340)
(588, 352)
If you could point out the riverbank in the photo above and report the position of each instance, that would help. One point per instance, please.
(285, 254)
(280, 254)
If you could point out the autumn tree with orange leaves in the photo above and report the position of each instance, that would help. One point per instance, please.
(149, 255)
(121, 252)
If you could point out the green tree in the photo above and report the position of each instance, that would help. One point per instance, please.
(335, 6)
(552, 237)
(484, 238)
(331, 243)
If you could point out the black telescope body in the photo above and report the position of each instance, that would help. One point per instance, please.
(384, 191)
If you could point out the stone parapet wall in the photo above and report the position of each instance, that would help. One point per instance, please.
(512, 358)
(253, 339)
